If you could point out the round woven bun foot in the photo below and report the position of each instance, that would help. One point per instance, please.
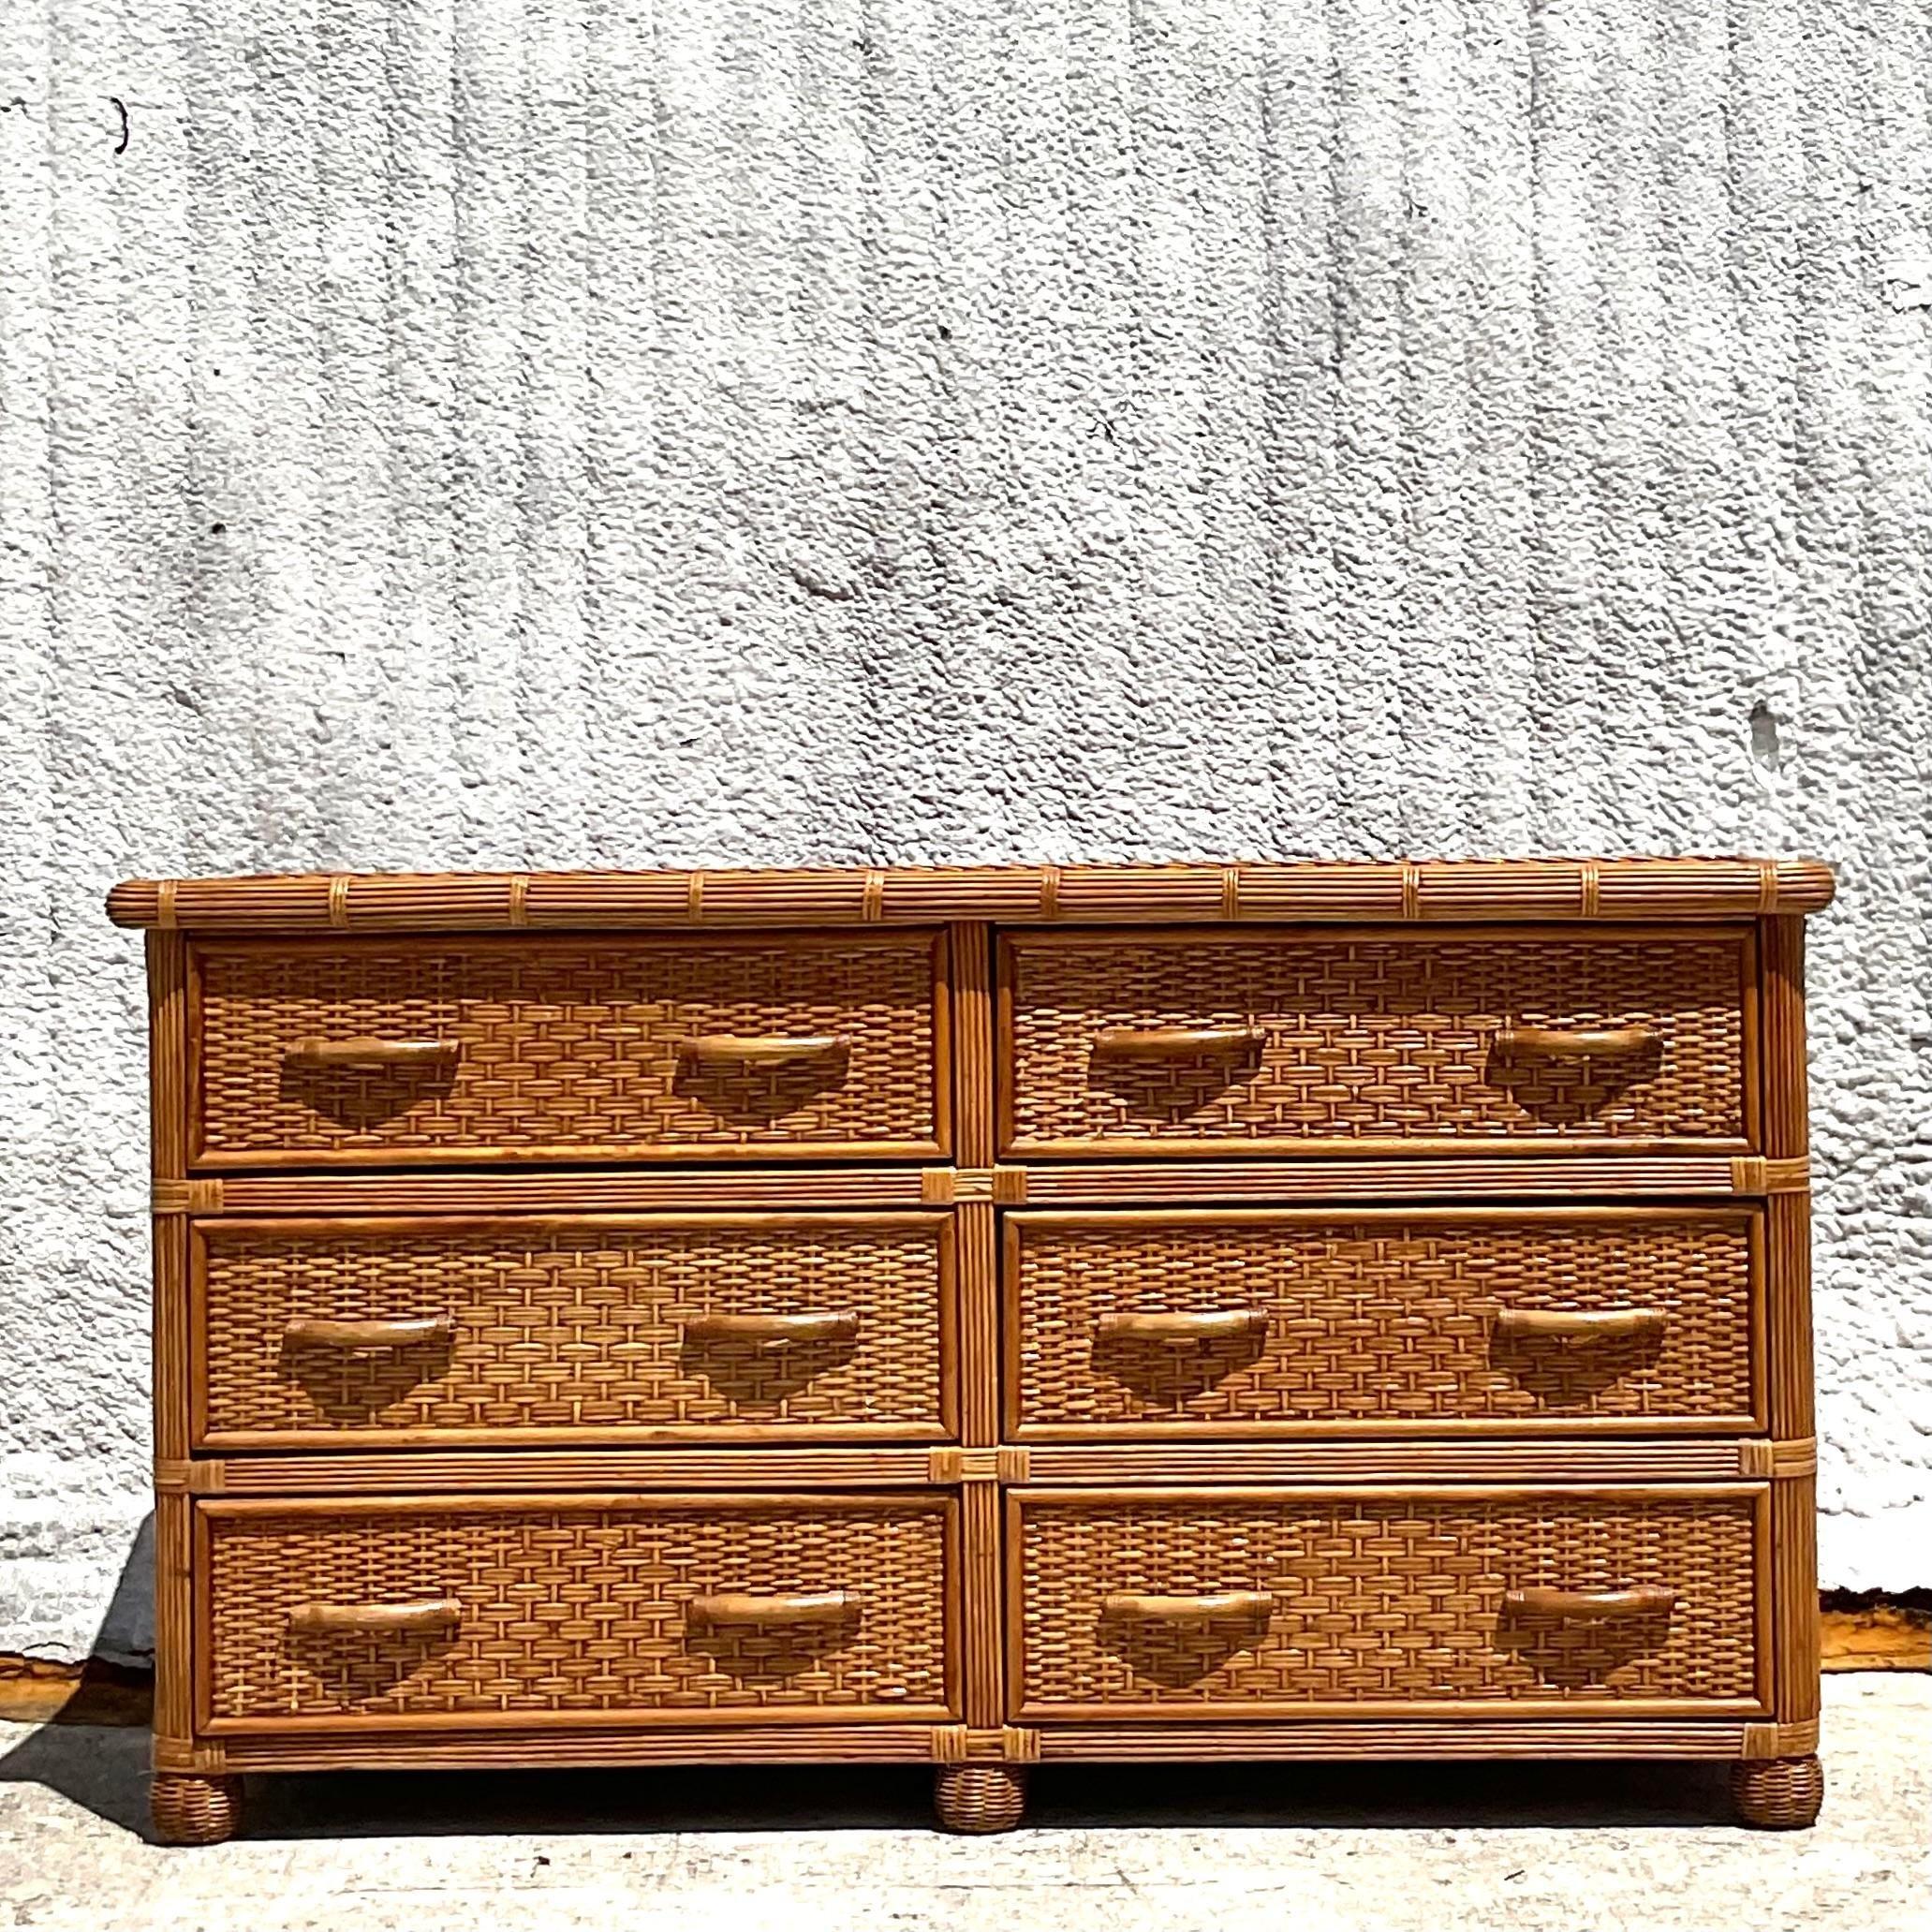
(190, 1810)
(1778, 1794)
(980, 1797)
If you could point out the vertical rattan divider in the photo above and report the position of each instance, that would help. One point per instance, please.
(193, 1801)
(975, 1794)
(1786, 1786)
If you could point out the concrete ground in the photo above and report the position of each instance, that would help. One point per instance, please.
(1228, 1848)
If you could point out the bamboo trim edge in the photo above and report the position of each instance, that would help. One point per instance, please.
(1408, 891)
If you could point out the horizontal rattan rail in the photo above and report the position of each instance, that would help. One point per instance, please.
(1553, 1175)
(1314, 1740)
(1507, 888)
(1372, 1460)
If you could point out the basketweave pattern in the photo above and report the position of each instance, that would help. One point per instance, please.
(1386, 1599)
(1377, 1320)
(581, 1609)
(575, 1330)
(1377, 1038)
(568, 1044)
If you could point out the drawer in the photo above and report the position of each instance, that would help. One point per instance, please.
(381, 1052)
(1225, 1322)
(701, 1326)
(1274, 1040)
(1172, 1602)
(527, 1611)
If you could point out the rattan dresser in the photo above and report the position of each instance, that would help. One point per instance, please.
(982, 1318)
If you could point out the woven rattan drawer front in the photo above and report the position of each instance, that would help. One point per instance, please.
(1228, 1321)
(372, 1052)
(537, 1610)
(706, 1327)
(1191, 1042)
(1176, 1602)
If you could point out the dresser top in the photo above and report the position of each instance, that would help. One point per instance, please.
(1435, 891)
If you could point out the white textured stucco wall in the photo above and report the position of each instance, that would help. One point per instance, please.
(703, 431)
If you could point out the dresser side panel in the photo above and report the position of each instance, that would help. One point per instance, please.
(169, 1065)
(1794, 1617)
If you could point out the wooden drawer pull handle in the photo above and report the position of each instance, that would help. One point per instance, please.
(1218, 1606)
(1591, 1606)
(732, 1607)
(1577, 1043)
(307, 1333)
(772, 1333)
(1176, 1042)
(1578, 1325)
(373, 1619)
(1182, 1328)
(762, 1050)
(374, 1053)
